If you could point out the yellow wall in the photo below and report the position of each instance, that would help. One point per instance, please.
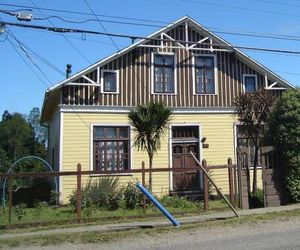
(217, 128)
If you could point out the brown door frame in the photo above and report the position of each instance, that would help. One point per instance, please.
(171, 141)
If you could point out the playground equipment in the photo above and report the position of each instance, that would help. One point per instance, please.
(157, 204)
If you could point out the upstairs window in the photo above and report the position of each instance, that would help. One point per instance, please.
(205, 75)
(250, 83)
(164, 80)
(109, 81)
(111, 148)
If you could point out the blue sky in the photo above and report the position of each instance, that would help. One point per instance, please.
(21, 90)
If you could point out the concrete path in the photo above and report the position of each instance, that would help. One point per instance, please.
(151, 224)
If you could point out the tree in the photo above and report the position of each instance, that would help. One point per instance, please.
(149, 123)
(253, 110)
(284, 133)
(34, 120)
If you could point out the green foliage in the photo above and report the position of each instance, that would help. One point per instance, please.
(149, 123)
(253, 110)
(132, 196)
(177, 202)
(54, 198)
(20, 211)
(102, 193)
(284, 134)
(17, 139)
(257, 199)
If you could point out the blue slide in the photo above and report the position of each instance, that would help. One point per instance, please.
(157, 204)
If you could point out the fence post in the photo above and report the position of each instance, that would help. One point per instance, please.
(144, 183)
(204, 164)
(10, 180)
(230, 178)
(78, 208)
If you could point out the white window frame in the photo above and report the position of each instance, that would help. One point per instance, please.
(131, 160)
(244, 81)
(152, 72)
(194, 73)
(102, 81)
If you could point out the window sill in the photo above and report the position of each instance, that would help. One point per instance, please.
(172, 94)
(116, 174)
(110, 93)
(204, 94)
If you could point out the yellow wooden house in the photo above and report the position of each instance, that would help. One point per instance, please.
(188, 68)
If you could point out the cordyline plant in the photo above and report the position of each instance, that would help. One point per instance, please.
(253, 110)
(149, 123)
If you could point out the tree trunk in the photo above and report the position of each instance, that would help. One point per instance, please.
(150, 172)
(254, 189)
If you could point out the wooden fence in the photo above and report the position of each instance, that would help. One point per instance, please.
(232, 179)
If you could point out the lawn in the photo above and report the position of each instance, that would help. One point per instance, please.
(44, 215)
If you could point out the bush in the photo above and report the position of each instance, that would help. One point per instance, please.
(104, 193)
(256, 200)
(177, 202)
(284, 133)
(132, 196)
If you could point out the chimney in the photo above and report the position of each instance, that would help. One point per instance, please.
(68, 70)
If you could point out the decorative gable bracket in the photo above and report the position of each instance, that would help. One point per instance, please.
(168, 42)
(269, 85)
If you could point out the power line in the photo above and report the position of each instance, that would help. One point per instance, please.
(82, 13)
(69, 42)
(87, 4)
(71, 30)
(240, 8)
(29, 57)
(20, 55)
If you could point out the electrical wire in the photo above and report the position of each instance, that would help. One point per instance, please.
(83, 13)
(67, 40)
(70, 30)
(28, 65)
(87, 4)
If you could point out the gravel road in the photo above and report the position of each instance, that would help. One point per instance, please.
(269, 235)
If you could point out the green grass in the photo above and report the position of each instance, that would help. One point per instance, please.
(44, 216)
(98, 237)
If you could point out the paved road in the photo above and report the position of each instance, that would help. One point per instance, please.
(270, 235)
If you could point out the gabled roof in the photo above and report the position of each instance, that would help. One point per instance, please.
(197, 27)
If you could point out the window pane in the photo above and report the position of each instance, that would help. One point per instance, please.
(202, 61)
(99, 132)
(164, 73)
(110, 81)
(111, 132)
(250, 83)
(110, 152)
(123, 133)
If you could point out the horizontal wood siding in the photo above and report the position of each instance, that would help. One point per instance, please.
(135, 78)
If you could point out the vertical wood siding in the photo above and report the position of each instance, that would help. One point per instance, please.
(135, 78)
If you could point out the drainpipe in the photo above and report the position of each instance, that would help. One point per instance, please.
(68, 70)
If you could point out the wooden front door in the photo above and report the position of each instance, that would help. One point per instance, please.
(185, 180)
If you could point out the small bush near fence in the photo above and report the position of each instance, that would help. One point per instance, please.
(106, 193)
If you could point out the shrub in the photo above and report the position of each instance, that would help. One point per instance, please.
(284, 133)
(103, 193)
(19, 211)
(132, 196)
(256, 200)
(177, 202)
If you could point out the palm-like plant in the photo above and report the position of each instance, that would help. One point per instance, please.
(149, 123)
(253, 110)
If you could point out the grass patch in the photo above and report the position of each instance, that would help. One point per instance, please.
(56, 217)
(98, 237)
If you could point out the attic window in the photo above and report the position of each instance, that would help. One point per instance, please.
(164, 74)
(110, 81)
(205, 75)
(250, 83)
